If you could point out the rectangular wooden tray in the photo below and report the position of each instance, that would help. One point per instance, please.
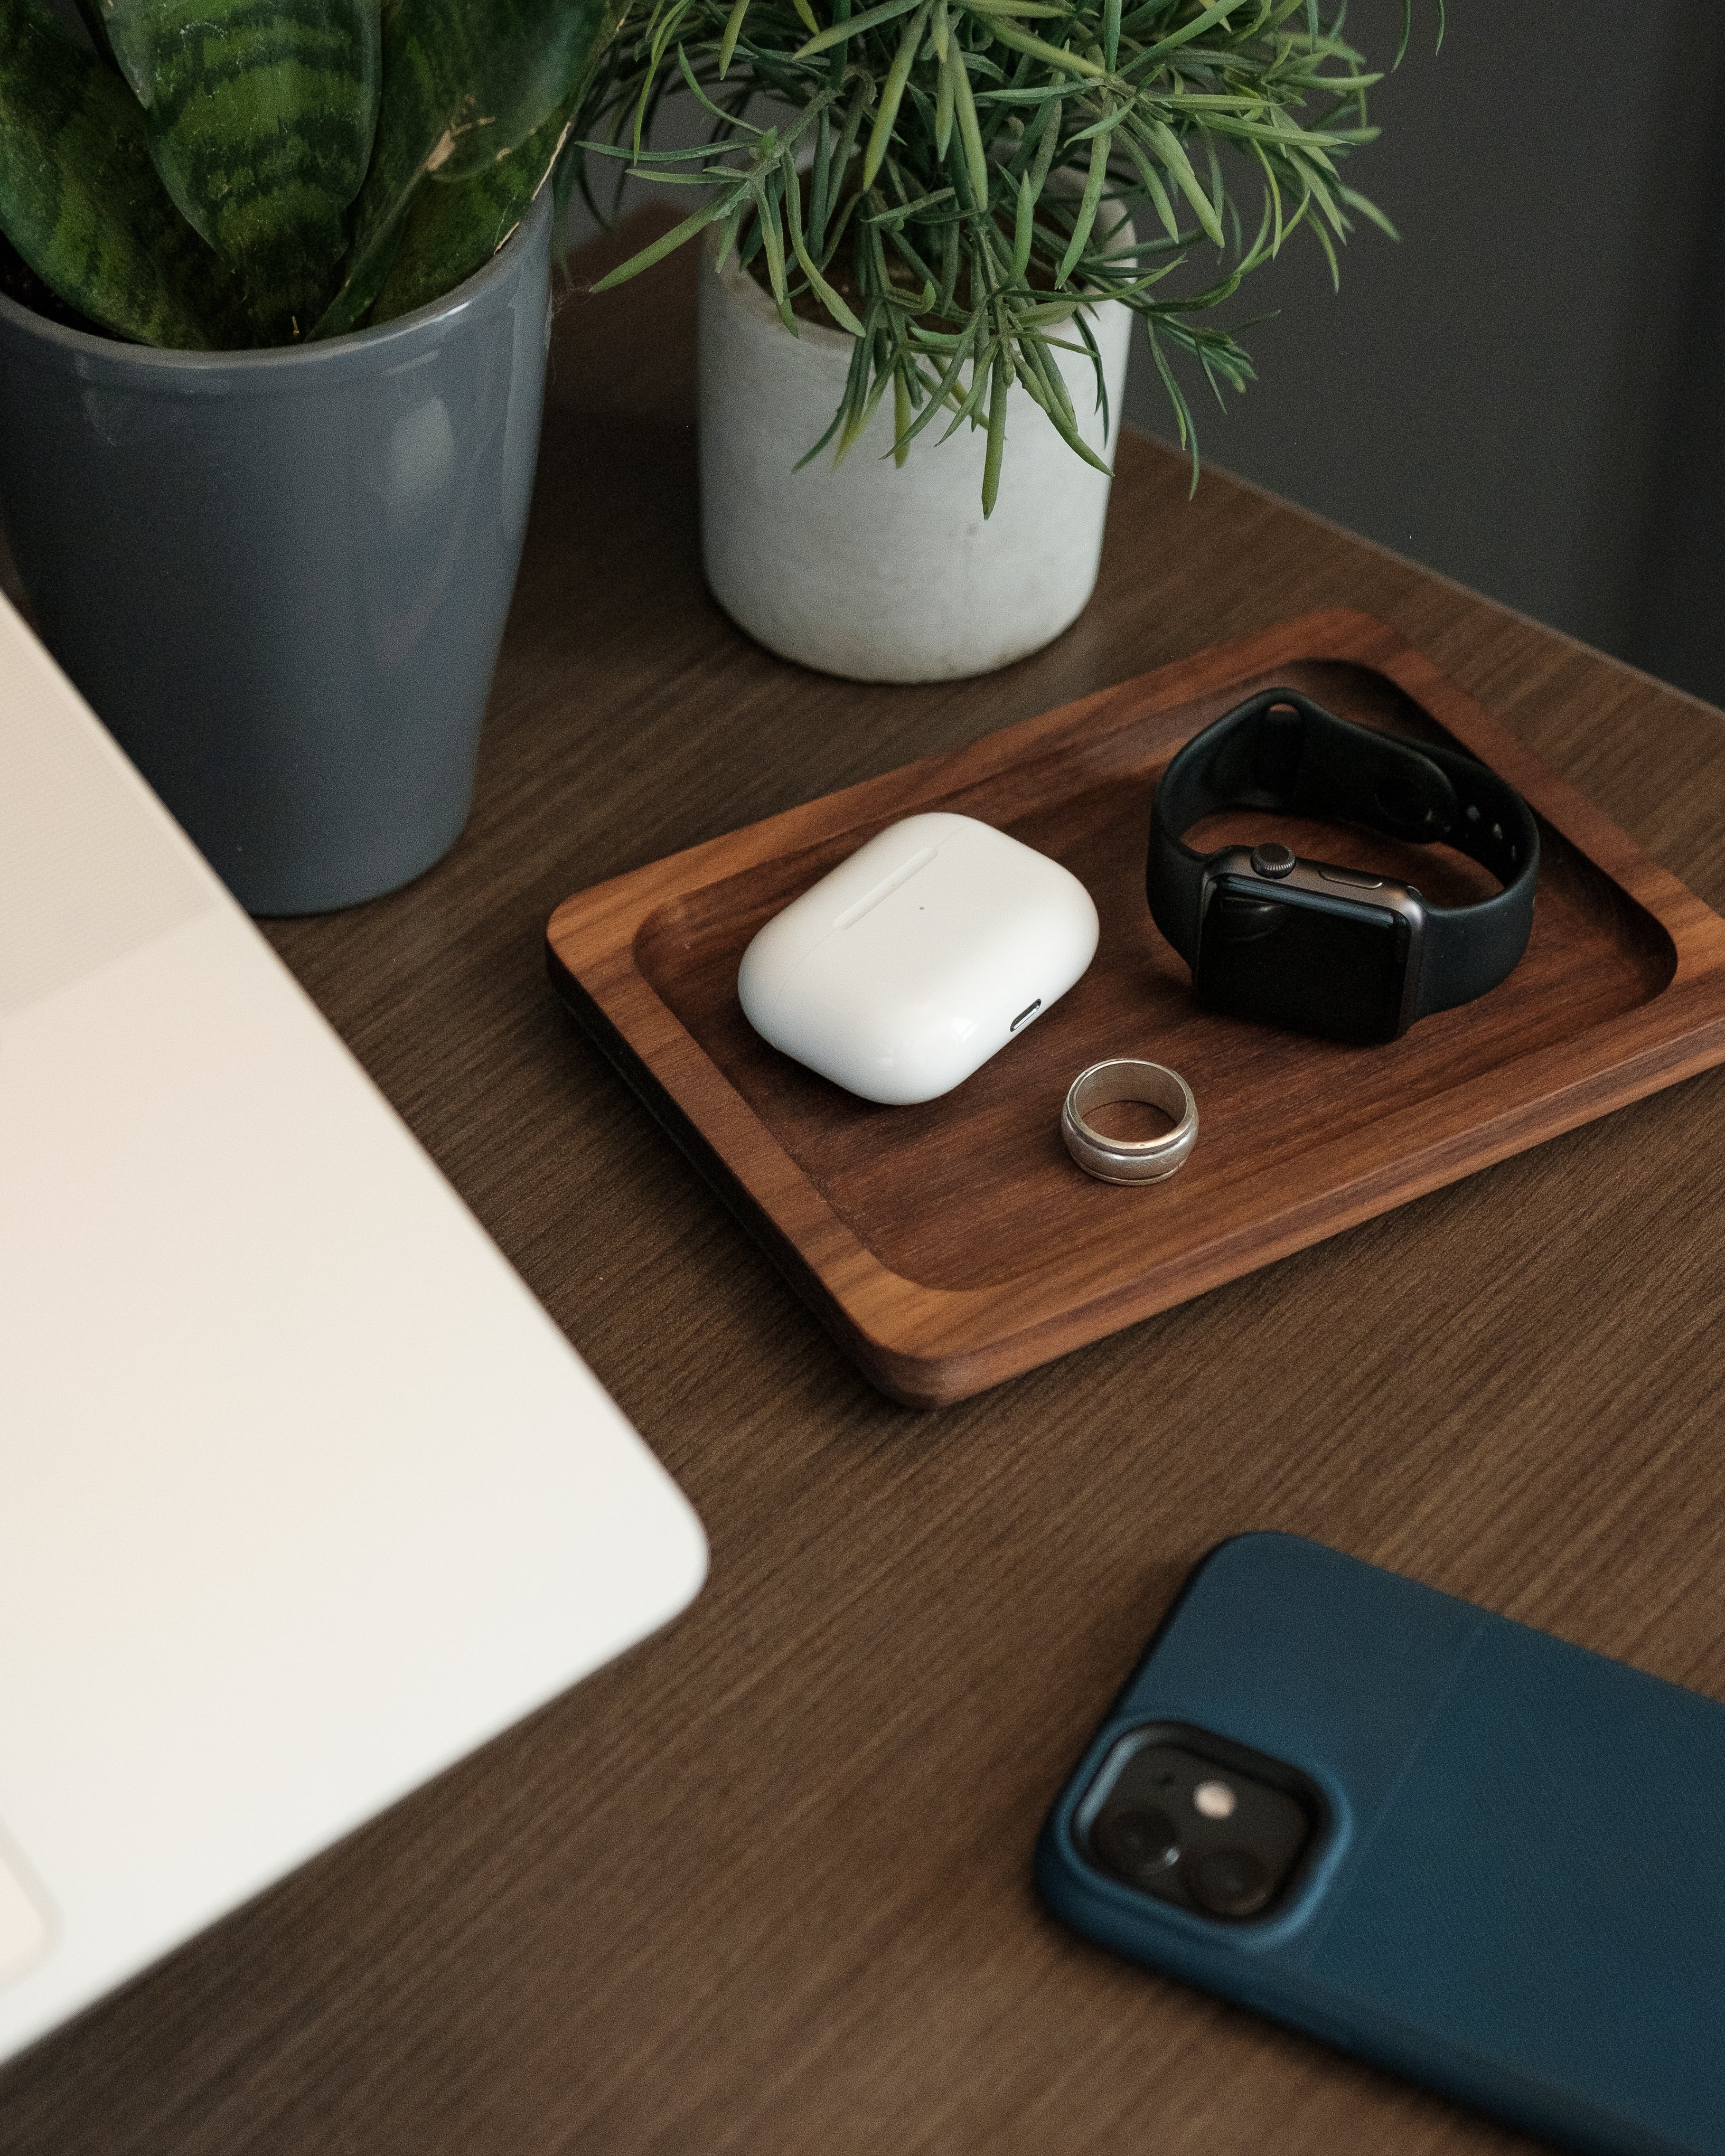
(953, 1244)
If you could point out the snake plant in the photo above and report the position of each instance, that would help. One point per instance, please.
(208, 174)
(949, 180)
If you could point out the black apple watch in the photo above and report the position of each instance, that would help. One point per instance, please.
(1336, 952)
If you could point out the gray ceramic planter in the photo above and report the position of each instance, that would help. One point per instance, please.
(280, 577)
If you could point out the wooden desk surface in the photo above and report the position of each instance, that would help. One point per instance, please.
(763, 1886)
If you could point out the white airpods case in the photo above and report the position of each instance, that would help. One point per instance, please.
(913, 962)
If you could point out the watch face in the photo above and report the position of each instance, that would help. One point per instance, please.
(1336, 967)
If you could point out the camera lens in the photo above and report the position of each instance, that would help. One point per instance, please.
(1229, 1882)
(1136, 1843)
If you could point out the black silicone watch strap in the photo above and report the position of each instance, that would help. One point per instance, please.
(1281, 751)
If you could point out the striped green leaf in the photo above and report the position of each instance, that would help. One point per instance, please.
(81, 200)
(452, 231)
(261, 115)
(466, 82)
(95, 23)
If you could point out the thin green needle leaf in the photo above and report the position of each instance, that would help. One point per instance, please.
(1168, 148)
(858, 373)
(1110, 119)
(1056, 401)
(823, 291)
(996, 433)
(1219, 191)
(981, 372)
(1195, 29)
(1036, 366)
(941, 395)
(835, 63)
(911, 303)
(1368, 210)
(975, 159)
(1039, 95)
(1021, 41)
(1324, 241)
(728, 236)
(870, 18)
(1176, 397)
(1272, 195)
(897, 76)
(856, 425)
(1087, 207)
(950, 248)
(1098, 371)
(667, 243)
(1046, 147)
(1034, 387)
(1318, 188)
(1023, 230)
(853, 124)
(733, 30)
(772, 239)
(944, 92)
(820, 183)
(893, 218)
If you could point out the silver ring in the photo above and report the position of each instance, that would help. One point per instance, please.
(1129, 1160)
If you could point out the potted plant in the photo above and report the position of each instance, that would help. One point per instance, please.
(273, 315)
(931, 221)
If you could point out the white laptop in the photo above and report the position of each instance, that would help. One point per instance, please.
(303, 1495)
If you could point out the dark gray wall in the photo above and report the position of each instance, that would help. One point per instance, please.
(1516, 393)
(1682, 597)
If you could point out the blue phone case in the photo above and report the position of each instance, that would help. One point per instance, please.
(1519, 1896)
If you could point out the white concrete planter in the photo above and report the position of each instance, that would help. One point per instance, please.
(874, 571)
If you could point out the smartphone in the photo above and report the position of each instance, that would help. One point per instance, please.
(1486, 1859)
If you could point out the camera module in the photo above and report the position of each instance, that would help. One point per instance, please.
(1195, 1819)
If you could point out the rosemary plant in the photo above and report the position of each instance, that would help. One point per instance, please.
(949, 180)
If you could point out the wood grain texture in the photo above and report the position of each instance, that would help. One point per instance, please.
(764, 1886)
(953, 1244)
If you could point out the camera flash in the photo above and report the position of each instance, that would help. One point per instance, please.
(1215, 1799)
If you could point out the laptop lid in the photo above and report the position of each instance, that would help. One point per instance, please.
(303, 1496)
